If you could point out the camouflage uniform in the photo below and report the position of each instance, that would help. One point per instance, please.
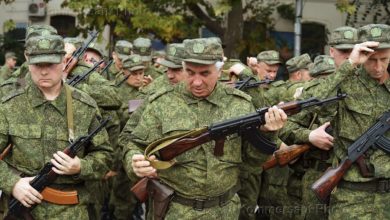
(312, 164)
(122, 49)
(41, 130)
(5, 71)
(143, 47)
(178, 110)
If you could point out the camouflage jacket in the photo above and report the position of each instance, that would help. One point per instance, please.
(39, 128)
(100, 89)
(365, 102)
(21, 72)
(197, 172)
(5, 73)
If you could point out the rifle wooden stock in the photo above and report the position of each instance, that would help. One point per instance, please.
(5, 151)
(70, 65)
(284, 156)
(184, 145)
(140, 191)
(329, 180)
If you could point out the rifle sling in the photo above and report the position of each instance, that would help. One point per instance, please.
(165, 142)
(69, 113)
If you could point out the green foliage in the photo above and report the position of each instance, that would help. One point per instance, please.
(345, 6)
(9, 25)
(286, 11)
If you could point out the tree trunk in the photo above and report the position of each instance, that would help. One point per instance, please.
(234, 30)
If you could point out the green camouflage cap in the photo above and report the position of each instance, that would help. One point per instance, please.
(77, 42)
(203, 51)
(123, 49)
(323, 64)
(175, 54)
(158, 53)
(143, 47)
(39, 30)
(10, 55)
(94, 47)
(269, 57)
(42, 49)
(343, 38)
(133, 62)
(298, 62)
(376, 32)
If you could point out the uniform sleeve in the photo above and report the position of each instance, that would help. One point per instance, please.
(8, 178)
(100, 89)
(98, 157)
(147, 130)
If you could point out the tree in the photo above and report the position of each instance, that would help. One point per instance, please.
(361, 12)
(174, 20)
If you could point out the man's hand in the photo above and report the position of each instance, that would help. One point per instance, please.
(25, 193)
(65, 165)
(320, 138)
(252, 62)
(110, 174)
(275, 119)
(361, 52)
(236, 69)
(147, 80)
(142, 167)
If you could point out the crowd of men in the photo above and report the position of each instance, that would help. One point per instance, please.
(154, 99)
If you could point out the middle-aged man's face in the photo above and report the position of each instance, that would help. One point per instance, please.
(267, 71)
(201, 79)
(11, 63)
(377, 63)
(135, 78)
(46, 75)
(339, 56)
(176, 75)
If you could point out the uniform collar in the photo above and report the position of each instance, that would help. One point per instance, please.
(214, 97)
(37, 99)
(370, 82)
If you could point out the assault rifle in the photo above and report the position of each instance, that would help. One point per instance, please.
(250, 82)
(72, 62)
(47, 176)
(284, 156)
(105, 69)
(373, 137)
(76, 79)
(123, 80)
(247, 126)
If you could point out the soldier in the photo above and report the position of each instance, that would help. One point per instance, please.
(122, 49)
(341, 43)
(198, 102)
(323, 66)
(268, 63)
(93, 55)
(133, 69)
(9, 65)
(143, 47)
(42, 130)
(364, 77)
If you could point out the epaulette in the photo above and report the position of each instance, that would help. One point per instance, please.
(83, 97)
(311, 83)
(160, 92)
(12, 95)
(232, 91)
(278, 83)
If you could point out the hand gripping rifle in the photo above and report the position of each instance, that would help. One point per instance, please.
(76, 79)
(47, 176)
(72, 62)
(247, 126)
(373, 137)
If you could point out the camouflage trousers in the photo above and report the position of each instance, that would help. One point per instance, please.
(352, 204)
(230, 211)
(249, 193)
(122, 201)
(47, 211)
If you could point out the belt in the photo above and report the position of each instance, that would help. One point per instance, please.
(200, 204)
(375, 186)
